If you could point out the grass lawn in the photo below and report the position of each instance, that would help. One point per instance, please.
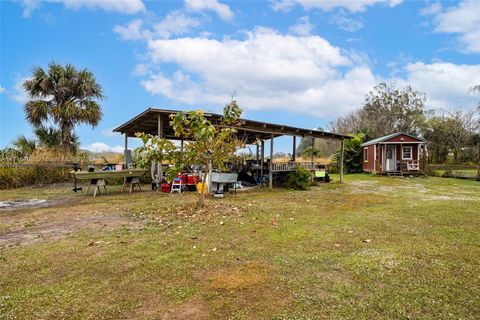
(372, 248)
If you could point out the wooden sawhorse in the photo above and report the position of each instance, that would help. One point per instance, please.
(131, 182)
(97, 183)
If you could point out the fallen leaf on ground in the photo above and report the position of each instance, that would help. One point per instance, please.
(367, 240)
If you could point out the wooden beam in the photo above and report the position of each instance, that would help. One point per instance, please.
(270, 165)
(341, 161)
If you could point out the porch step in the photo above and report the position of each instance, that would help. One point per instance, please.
(395, 174)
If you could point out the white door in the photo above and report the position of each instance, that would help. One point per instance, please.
(391, 158)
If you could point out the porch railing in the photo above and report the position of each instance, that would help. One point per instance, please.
(410, 165)
(291, 166)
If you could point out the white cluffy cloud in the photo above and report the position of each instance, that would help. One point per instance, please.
(109, 132)
(120, 6)
(18, 93)
(174, 23)
(303, 27)
(445, 84)
(102, 147)
(344, 22)
(327, 5)
(223, 11)
(269, 70)
(462, 20)
(2, 89)
(302, 74)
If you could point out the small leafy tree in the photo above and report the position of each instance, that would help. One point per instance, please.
(352, 153)
(154, 150)
(210, 143)
(300, 179)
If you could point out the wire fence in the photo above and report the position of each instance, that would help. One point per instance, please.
(454, 171)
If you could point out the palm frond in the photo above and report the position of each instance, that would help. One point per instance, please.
(37, 111)
(48, 137)
(25, 145)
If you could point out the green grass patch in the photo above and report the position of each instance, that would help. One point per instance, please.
(371, 248)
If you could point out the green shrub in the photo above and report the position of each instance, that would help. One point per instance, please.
(300, 179)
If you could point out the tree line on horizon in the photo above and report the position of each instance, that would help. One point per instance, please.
(62, 97)
(452, 136)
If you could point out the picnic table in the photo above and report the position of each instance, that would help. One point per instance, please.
(97, 178)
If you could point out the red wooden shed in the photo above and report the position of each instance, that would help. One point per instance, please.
(394, 154)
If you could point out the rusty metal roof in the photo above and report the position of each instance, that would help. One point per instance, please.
(248, 130)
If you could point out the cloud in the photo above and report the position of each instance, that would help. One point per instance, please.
(305, 74)
(174, 23)
(303, 27)
(462, 20)
(341, 19)
(2, 89)
(132, 31)
(223, 11)
(328, 5)
(109, 132)
(102, 147)
(18, 94)
(445, 84)
(120, 6)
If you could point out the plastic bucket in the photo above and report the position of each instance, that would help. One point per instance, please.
(201, 186)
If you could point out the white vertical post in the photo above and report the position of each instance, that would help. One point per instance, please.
(270, 166)
(160, 135)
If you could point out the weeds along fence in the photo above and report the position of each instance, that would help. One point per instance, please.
(454, 171)
(14, 175)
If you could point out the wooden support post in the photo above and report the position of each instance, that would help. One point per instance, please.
(294, 151)
(125, 151)
(313, 150)
(270, 166)
(262, 159)
(341, 161)
(257, 154)
(160, 135)
(401, 158)
(424, 159)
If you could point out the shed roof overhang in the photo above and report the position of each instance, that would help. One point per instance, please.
(249, 130)
(386, 138)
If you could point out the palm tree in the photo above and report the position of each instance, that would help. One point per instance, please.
(65, 96)
(25, 145)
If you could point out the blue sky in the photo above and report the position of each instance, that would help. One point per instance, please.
(294, 62)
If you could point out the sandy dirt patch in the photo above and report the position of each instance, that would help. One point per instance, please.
(58, 229)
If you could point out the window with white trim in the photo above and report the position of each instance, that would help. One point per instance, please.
(365, 154)
(407, 153)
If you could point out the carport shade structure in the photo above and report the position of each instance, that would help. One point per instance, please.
(157, 122)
